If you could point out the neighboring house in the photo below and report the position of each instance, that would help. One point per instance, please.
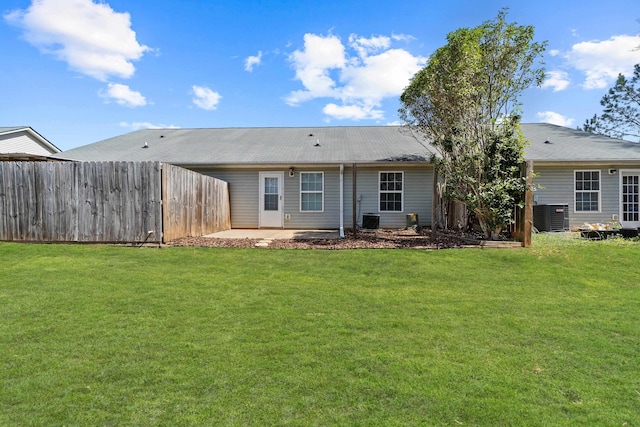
(320, 177)
(24, 143)
(596, 176)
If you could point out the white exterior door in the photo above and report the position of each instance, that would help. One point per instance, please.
(629, 199)
(271, 199)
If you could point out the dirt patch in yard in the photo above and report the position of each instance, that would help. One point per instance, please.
(364, 239)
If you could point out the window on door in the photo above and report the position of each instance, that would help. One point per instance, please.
(271, 194)
(587, 191)
(391, 191)
(311, 191)
(630, 195)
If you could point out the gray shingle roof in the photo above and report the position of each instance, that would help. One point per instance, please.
(311, 145)
(551, 143)
(345, 144)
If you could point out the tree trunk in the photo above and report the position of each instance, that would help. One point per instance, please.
(457, 218)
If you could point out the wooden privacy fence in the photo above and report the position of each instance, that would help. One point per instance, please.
(193, 204)
(127, 202)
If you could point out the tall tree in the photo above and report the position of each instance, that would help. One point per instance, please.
(620, 117)
(466, 101)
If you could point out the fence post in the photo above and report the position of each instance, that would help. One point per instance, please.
(528, 207)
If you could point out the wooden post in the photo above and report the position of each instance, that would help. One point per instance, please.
(434, 203)
(354, 213)
(528, 207)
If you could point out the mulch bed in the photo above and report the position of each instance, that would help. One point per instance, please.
(364, 239)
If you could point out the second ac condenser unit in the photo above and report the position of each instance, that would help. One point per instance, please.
(551, 217)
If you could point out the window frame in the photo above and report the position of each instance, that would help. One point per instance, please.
(583, 191)
(380, 192)
(321, 192)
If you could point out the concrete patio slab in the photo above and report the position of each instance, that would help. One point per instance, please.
(270, 233)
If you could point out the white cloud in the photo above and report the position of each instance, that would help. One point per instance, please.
(554, 118)
(402, 37)
(123, 95)
(252, 61)
(360, 80)
(554, 52)
(557, 80)
(366, 46)
(146, 125)
(90, 37)
(602, 61)
(352, 112)
(313, 66)
(205, 98)
(380, 76)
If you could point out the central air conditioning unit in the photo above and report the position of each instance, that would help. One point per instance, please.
(370, 221)
(551, 217)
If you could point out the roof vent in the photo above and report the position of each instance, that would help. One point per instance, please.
(317, 144)
(161, 136)
(546, 141)
(146, 145)
(310, 134)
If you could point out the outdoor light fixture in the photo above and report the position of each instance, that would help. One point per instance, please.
(291, 173)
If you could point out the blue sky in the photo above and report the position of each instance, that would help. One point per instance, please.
(79, 71)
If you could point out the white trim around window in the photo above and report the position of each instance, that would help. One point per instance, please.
(311, 192)
(586, 189)
(390, 191)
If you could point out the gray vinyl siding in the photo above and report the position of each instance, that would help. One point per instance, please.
(555, 185)
(244, 188)
(417, 195)
(329, 218)
(243, 195)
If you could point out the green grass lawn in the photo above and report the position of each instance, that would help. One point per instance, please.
(102, 335)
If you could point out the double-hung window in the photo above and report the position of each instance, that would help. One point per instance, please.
(587, 191)
(391, 191)
(311, 191)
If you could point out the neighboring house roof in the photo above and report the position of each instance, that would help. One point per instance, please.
(344, 144)
(232, 146)
(24, 142)
(552, 143)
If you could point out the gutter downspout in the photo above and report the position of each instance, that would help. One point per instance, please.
(341, 200)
